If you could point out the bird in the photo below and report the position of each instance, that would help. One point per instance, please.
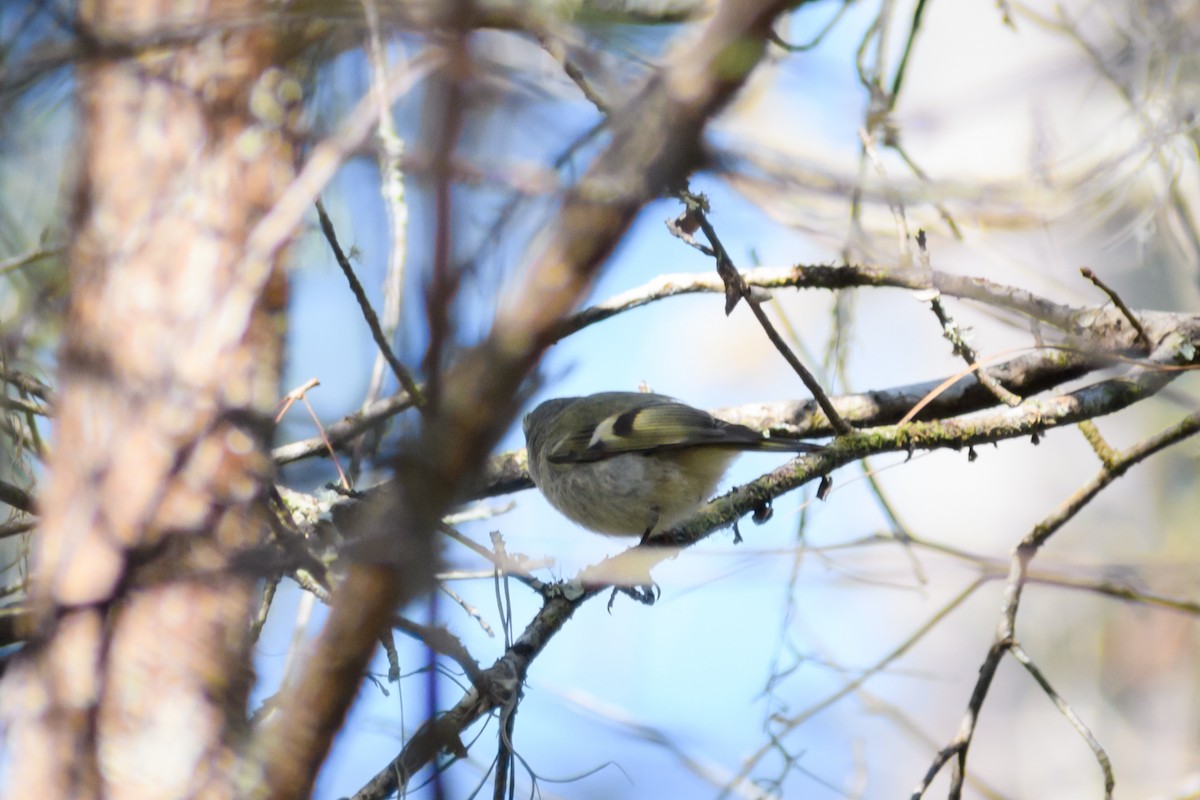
(634, 463)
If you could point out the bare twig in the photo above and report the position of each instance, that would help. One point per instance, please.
(1103, 450)
(1129, 588)
(501, 561)
(1078, 724)
(301, 393)
(469, 609)
(737, 288)
(364, 304)
(264, 606)
(878, 120)
(1119, 303)
(276, 227)
(441, 641)
(557, 48)
(344, 430)
(817, 38)
(900, 530)
(444, 109)
(785, 725)
(391, 152)
(957, 336)
(24, 406)
(35, 253)
(1005, 640)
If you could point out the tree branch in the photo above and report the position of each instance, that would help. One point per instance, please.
(655, 143)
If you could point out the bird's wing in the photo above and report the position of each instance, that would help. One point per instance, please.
(659, 424)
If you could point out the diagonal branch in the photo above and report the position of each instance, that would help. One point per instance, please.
(377, 332)
(736, 289)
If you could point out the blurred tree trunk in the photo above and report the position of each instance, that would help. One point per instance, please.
(135, 682)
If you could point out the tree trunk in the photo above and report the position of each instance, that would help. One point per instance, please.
(136, 681)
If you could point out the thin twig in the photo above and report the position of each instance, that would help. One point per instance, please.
(1119, 303)
(275, 229)
(993, 568)
(895, 203)
(301, 393)
(264, 606)
(555, 46)
(900, 530)
(788, 724)
(910, 40)
(1103, 450)
(1078, 724)
(391, 153)
(344, 430)
(444, 108)
(1005, 640)
(24, 406)
(817, 38)
(895, 146)
(470, 610)
(35, 253)
(738, 288)
(398, 369)
(500, 560)
(955, 335)
(441, 641)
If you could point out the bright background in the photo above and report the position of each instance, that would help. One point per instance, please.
(667, 701)
(1047, 169)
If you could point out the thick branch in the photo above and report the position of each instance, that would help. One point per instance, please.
(156, 481)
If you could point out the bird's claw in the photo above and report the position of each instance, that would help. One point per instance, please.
(646, 594)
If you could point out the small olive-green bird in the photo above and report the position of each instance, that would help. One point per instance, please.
(634, 464)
